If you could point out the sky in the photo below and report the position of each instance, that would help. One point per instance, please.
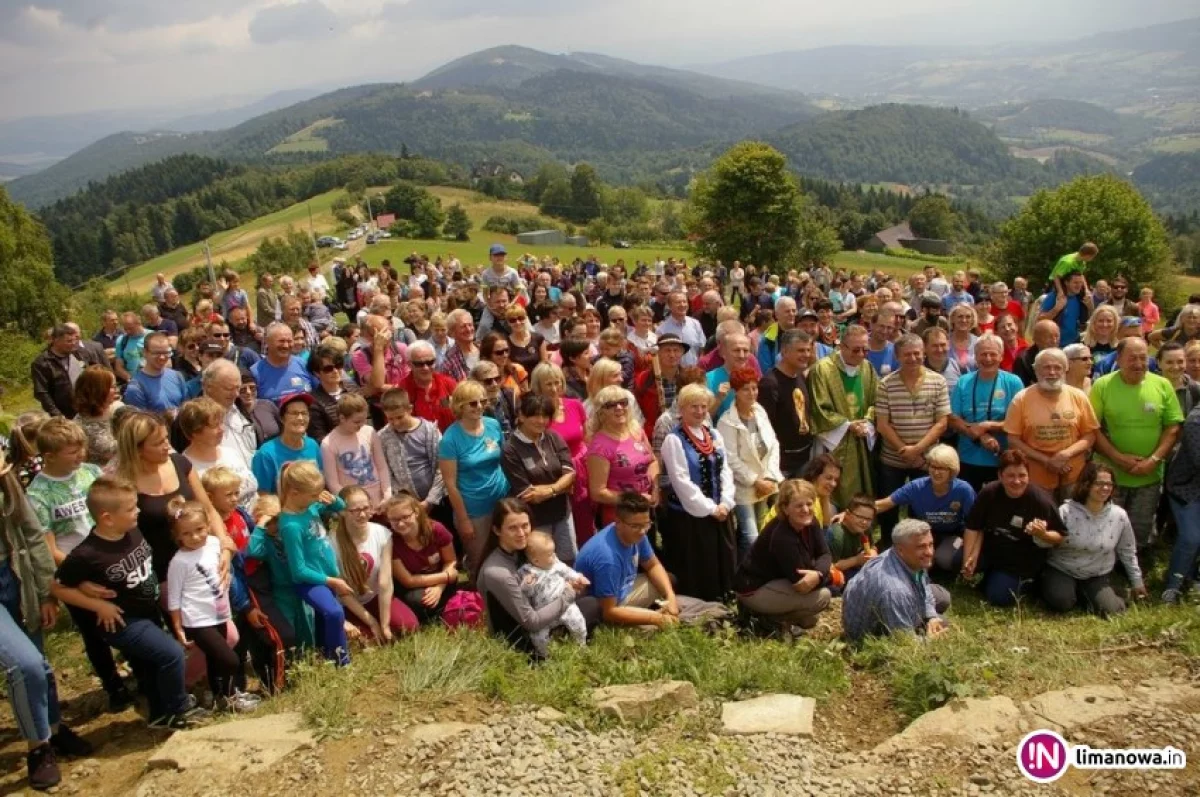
(69, 56)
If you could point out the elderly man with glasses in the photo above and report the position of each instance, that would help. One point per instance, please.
(428, 390)
(844, 387)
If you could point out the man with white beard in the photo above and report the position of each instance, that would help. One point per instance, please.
(1053, 425)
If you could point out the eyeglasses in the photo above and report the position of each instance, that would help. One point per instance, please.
(329, 368)
(639, 528)
(499, 352)
(193, 346)
(166, 353)
(403, 520)
(863, 518)
(492, 380)
(619, 404)
(297, 414)
(476, 404)
(359, 510)
(1104, 485)
(855, 349)
(219, 335)
(422, 363)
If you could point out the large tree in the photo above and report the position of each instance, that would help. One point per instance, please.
(746, 207)
(585, 194)
(932, 217)
(1103, 209)
(30, 298)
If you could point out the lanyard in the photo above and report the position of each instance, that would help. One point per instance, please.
(974, 398)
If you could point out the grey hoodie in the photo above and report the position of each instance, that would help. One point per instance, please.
(1095, 542)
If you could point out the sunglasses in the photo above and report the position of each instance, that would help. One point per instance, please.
(492, 380)
(329, 368)
(422, 363)
(619, 404)
(499, 352)
(476, 404)
(219, 335)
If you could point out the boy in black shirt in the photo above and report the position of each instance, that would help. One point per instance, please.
(116, 558)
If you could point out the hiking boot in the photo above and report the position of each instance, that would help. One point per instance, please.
(43, 768)
(181, 722)
(120, 699)
(69, 744)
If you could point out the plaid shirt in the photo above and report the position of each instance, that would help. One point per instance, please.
(886, 596)
(454, 365)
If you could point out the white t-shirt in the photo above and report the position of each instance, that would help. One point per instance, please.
(371, 551)
(737, 278)
(225, 457)
(194, 586)
(318, 285)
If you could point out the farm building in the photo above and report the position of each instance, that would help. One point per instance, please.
(542, 238)
(901, 236)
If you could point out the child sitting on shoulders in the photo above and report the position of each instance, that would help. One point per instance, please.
(543, 579)
(199, 605)
(1075, 262)
(264, 633)
(115, 557)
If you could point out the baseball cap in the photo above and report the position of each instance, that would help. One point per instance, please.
(806, 314)
(288, 398)
(211, 347)
(497, 249)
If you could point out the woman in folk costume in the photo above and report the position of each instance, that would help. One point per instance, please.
(699, 542)
(843, 412)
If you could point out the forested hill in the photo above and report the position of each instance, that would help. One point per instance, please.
(1171, 182)
(905, 144)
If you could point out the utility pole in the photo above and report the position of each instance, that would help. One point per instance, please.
(370, 213)
(212, 277)
(312, 235)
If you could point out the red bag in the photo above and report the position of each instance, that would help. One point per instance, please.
(464, 609)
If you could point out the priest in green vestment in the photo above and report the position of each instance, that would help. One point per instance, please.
(843, 412)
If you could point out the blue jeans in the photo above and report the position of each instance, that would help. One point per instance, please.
(747, 520)
(1187, 542)
(157, 661)
(329, 620)
(1002, 589)
(31, 686)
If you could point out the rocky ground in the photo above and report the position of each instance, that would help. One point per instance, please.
(679, 747)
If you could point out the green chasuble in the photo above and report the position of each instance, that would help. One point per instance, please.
(836, 399)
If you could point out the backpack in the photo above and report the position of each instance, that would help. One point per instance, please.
(464, 609)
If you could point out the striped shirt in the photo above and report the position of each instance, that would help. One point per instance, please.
(911, 413)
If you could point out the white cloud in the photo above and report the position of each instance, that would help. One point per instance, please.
(309, 20)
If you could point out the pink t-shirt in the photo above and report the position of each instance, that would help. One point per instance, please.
(629, 461)
(356, 459)
(572, 427)
(427, 560)
(1150, 316)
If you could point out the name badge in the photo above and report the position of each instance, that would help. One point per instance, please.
(1149, 406)
(1017, 522)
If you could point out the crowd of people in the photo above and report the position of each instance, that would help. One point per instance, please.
(219, 487)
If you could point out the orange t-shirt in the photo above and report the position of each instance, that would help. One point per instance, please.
(1049, 423)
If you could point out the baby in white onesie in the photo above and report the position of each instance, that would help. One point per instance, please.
(543, 580)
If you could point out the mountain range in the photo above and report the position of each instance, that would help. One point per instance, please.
(635, 122)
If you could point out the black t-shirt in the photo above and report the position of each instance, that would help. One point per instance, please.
(1001, 519)
(153, 520)
(123, 565)
(779, 552)
(777, 394)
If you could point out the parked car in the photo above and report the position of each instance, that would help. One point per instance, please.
(383, 234)
(372, 238)
(326, 241)
(621, 245)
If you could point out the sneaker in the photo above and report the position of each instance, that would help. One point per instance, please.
(182, 722)
(240, 703)
(120, 699)
(43, 768)
(69, 744)
(1170, 596)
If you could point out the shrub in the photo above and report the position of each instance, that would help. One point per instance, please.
(16, 353)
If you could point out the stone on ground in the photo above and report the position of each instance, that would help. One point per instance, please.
(233, 748)
(786, 714)
(1078, 705)
(961, 722)
(640, 702)
(433, 732)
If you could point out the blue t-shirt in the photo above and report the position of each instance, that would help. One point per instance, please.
(480, 479)
(274, 382)
(884, 362)
(976, 400)
(131, 351)
(610, 565)
(1068, 320)
(269, 460)
(715, 379)
(945, 514)
(156, 393)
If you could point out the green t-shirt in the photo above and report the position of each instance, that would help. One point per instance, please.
(843, 544)
(61, 505)
(1066, 264)
(1133, 417)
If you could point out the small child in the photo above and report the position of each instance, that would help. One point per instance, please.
(58, 496)
(303, 566)
(265, 634)
(199, 606)
(1075, 262)
(1148, 310)
(543, 578)
(22, 445)
(115, 557)
(352, 455)
(410, 449)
